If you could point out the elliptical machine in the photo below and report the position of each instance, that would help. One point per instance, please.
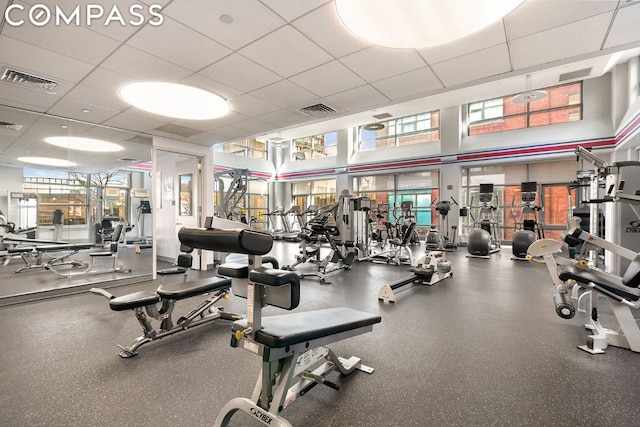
(435, 239)
(530, 228)
(483, 241)
(404, 221)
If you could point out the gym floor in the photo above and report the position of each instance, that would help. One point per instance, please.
(484, 347)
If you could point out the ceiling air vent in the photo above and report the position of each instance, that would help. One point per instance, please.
(29, 80)
(575, 75)
(317, 110)
(382, 116)
(10, 126)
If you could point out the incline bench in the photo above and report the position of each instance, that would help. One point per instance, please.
(292, 345)
(145, 304)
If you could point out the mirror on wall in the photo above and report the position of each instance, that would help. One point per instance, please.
(69, 188)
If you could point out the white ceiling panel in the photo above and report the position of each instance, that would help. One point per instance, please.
(492, 35)
(253, 126)
(286, 52)
(577, 38)
(140, 65)
(325, 28)
(626, 26)
(282, 118)
(251, 105)
(41, 62)
(327, 79)
(240, 73)
(475, 66)
(291, 10)
(73, 109)
(285, 94)
(357, 99)
(199, 52)
(134, 122)
(251, 20)
(409, 85)
(205, 83)
(224, 133)
(66, 40)
(105, 80)
(377, 63)
(31, 99)
(93, 97)
(115, 30)
(538, 15)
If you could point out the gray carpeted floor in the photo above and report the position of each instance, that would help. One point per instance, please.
(484, 347)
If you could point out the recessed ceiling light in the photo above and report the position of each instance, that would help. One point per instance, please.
(175, 100)
(83, 144)
(227, 19)
(86, 110)
(420, 23)
(47, 161)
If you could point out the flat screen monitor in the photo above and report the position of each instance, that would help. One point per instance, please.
(529, 187)
(486, 188)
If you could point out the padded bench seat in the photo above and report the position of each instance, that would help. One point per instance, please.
(568, 272)
(290, 329)
(133, 300)
(234, 270)
(181, 290)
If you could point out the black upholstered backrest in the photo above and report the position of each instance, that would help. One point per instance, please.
(239, 241)
(408, 233)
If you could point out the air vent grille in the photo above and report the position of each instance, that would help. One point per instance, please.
(10, 126)
(382, 116)
(317, 110)
(29, 80)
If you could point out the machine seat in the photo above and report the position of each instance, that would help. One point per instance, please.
(273, 277)
(234, 270)
(290, 329)
(568, 272)
(182, 290)
(133, 300)
(631, 277)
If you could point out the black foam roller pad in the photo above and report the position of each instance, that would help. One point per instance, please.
(239, 241)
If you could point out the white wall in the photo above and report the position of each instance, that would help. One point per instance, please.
(10, 180)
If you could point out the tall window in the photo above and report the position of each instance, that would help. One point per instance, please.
(561, 104)
(321, 192)
(253, 147)
(315, 147)
(423, 127)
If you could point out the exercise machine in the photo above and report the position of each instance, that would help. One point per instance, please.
(432, 268)
(579, 284)
(110, 254)
(292, 347)
(439, 239)
(526, 221)
(160, 304)
(483, 240)
(404, 220)
(234, 195)
(399, 250)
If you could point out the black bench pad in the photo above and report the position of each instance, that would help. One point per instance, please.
(169, 271)
(133, 300)
(273, 277)
(568, 272)
(235, 270)
(289, 329)
(177, 291)
(53, 248)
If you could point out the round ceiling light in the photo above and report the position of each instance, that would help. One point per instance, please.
(175, 100)
(47, 161)
(83, 144)
(530, 96)
(373, 126)
(420, 23)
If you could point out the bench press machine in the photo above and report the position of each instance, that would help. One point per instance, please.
(145, 304)
(291, 346)
(577, 281)
(33, 256)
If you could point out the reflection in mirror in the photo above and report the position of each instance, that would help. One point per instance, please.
(64, 187)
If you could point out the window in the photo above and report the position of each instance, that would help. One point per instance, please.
(255, 148)
(562, 104)
(423, 127)
(320, 192)
(315, 147)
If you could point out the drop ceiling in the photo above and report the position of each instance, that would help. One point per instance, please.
(277, 57)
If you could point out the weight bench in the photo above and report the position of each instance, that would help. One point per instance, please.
(33, 255)
(294, 359)
(159, 305)
(111, 253)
